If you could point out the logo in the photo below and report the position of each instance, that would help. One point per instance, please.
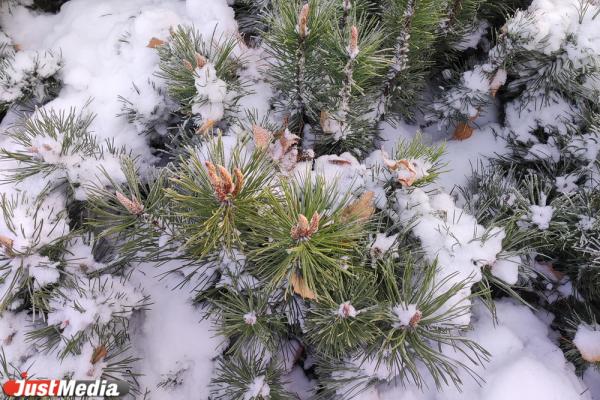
(64, 387)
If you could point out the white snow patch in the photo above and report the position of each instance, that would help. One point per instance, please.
(587, 341)
(507, 269)
(541, 215)
(258, 389)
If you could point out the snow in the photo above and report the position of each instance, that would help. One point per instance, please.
(541, 216)
(100, 64)
(555, 20)
(13, 329)
(591, 377)
(567, 183)
(188, 355)
(544, 151)
(103, 55)
(42, 270)
(343, 171)
(507, 269)
(450, 237)
(465, 156)
(99, 50)
(587, 341)
(523, 118)
(250, 318)
(13, 82)
(586, 222)
(472, 39)
(77, 367)
(74, 311)
(476, 80)
(23, 223)
(382, 244)
(525, 364)
(585, 147)
(258, 389)
(299, 384)
(547, 384)
(347, 310)
(211, 92)
(405, 313)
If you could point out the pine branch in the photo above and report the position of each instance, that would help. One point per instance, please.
(293, 42)
(192, 66)
(50, 141)
(354, 63)
(413, 39)
(248, 377)
(214, 199)
(307, 257)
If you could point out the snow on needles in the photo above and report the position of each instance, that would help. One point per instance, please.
(98, 51)
(452, 238)
(211, 93)
(587, 341)
(525, 363)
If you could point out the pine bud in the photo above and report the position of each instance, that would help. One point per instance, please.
(132, 205)
(228, 185)
(214, 179)
(300, 230)
(416, 318)
(314, 223)
(250, 318)
(392, 165)
(405, 172)
(262, 137)
(200, 60)
(463, 131)
(498, 81)
(239, 182)
(303, 230)
(7, 243)
(303, 21)
(155, 42)
(188, 65)
(347, 310)
(206, 126)
(353, 47)
(407, 315)
(222, 182)
(287, 140)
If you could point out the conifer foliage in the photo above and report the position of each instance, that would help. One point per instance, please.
(546, 187)
(259, 187)
(340, 68)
